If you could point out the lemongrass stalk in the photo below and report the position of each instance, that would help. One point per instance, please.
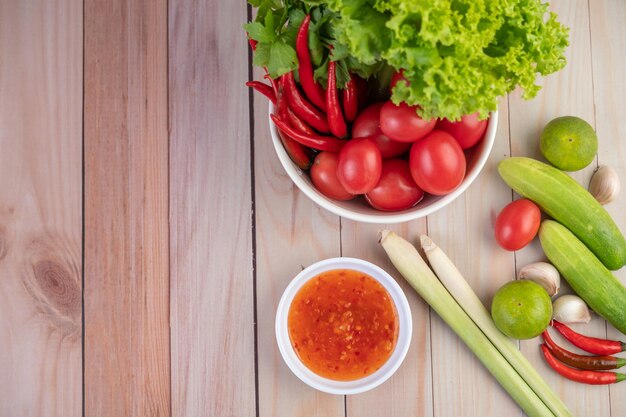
(410, 264)
(458, 287)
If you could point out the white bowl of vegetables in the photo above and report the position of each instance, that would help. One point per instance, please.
(385, 150)
(359, 207)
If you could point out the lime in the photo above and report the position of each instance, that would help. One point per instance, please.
(521, 309)
(569, 143)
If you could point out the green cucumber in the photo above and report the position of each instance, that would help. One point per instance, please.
(563, 199)
(584, 272)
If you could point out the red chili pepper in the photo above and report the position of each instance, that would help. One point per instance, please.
(335, 118)
(313, 90)
(281, 101)
(319, 142)
(298, 153)
(272, 81)
(350, 100)
(589, 344)
(594, 363)
(585, 377)
(303, 108)
(264, 89)
(298, 124)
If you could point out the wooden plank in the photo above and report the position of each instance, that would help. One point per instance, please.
(210, 210)
(291, 233)
(40, 208)
(409, 391)
(464, 230)
(126, 209)
(608, 38)
(568, 92)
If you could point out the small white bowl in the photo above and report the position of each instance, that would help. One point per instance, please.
(330, 386)
(359, 210)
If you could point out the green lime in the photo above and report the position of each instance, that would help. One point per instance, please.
(521, 309)
(569, 143)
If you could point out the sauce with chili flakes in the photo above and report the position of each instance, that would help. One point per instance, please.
(343, 325)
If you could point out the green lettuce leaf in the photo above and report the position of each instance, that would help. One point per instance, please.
(459, 55)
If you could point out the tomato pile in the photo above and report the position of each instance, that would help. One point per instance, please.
(351, 147)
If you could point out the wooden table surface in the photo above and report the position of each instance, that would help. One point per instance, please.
(147, 229)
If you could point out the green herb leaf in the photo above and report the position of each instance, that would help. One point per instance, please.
(269, 21)
(262, 54)
(296, 17)
(259, 32)
(343, 76)
(282, 59)
(320, 74)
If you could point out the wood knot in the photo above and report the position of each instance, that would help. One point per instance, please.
(52, 278)
(55, 282)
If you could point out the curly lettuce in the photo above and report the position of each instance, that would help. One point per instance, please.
(459, 56)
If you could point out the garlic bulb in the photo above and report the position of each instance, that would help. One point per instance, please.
(543, 274)
(604, 185)
(570, 309)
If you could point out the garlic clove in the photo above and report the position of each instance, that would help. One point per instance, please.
(544, 274)
(570, 309)
(604, 184)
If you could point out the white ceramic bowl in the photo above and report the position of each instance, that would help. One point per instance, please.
(359, 210)
(344, 387)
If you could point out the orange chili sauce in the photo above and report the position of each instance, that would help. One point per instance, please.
(343, 325)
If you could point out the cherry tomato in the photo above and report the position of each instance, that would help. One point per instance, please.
(402, 123)
(396, 189)
(437, 163)
(324, 176)
(468, 131)
(367, 124)
(397, 76)
(359, 166)
(517, 224)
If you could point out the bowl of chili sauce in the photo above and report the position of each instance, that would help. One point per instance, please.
(343, 326)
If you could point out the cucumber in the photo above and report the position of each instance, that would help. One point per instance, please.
(584, 272)
(563, 199)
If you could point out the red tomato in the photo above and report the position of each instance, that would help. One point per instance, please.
(324, 176)
(468, 131)
(437, 163)
(397, 76)
(396, 189)
(359, 166)
(402, 123)
(367, 124)
(517, 224)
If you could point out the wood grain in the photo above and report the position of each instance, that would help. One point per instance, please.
(608, 38)
(569, 92)
(210, 211)
(291, 233)
(126, 209)
(192, 230)
(40, 208)
(464, 231)
(409, 391)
